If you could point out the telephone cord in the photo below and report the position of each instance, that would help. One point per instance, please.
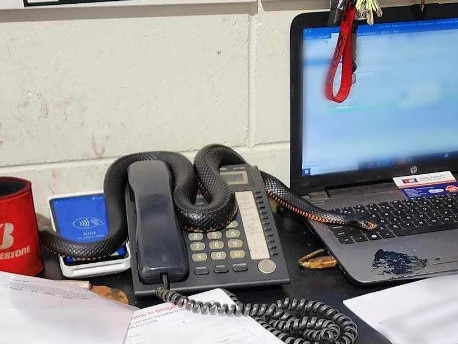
(317, 323)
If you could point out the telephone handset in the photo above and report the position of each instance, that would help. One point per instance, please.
(246, 253)
(159, 245)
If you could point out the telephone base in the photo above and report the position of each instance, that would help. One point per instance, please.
(247, 253)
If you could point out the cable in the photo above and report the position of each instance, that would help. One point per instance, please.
(317, 323)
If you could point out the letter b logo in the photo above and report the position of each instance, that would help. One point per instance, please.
(6, 237)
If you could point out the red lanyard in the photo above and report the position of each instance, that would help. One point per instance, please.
(343, 51)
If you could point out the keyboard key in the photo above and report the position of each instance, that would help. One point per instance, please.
(240, 267)
(382, 221)
(345, 232)
(218, 255)
(396, 226)
(197, 246)
(214, 235)
(236, 243)
(232, 233)
(201, 270)
(216, 245)
(347, 240)
(199, 257)
(232, 225)
(220, 269)
(237, 254)
(359, 238)
(386, 234)
(374, 236)
(195, 236)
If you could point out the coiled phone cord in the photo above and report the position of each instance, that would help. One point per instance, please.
(318, 322)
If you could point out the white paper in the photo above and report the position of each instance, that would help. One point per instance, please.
(8, 4)
(422, 312)
(166, 323)
(41, 311)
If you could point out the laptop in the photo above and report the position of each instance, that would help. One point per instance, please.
(400, 119)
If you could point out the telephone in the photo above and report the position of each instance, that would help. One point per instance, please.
(246, 253)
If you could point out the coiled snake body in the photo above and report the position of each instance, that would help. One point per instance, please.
(187, 180)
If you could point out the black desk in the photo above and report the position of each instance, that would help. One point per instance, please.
(329, 286)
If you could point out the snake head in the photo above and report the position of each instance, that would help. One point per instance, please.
(368, 225)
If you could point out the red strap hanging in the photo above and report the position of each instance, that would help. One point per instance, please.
(343, 51)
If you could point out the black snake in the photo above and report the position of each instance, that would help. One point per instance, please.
(187, 180)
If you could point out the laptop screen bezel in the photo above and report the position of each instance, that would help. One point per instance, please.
(306, 184)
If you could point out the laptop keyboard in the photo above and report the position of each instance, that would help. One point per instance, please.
(400, 218)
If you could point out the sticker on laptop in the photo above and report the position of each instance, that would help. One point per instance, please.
(429, 184)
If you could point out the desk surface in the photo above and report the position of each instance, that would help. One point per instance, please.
(329, 286)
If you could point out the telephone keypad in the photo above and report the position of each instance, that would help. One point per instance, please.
(199, 257)
(235, 243)
(219, 247)
(232, 233)
(214, 235)
(219, 255)
(216, 245)
(237, 254)
(233, 224)
(197, 246)
(228, 244)
(195, 236)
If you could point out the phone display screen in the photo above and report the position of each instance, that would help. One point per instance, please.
(82, 218)
(235, 177)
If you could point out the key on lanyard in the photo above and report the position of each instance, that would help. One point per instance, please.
(367, 8)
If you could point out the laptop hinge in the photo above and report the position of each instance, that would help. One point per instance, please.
(343, 192)
(318, 196)
(362, 189)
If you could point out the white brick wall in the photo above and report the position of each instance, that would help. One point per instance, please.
(79, 87)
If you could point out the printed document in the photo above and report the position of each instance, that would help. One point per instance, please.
(41, 311)
(166, 323)
(422, 312)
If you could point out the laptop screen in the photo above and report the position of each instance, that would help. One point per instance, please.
(402, 109)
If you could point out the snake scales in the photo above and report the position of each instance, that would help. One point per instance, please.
(187, 180)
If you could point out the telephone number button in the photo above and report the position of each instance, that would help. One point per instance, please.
(199, 257)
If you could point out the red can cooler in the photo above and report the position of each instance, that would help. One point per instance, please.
(19, 243)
